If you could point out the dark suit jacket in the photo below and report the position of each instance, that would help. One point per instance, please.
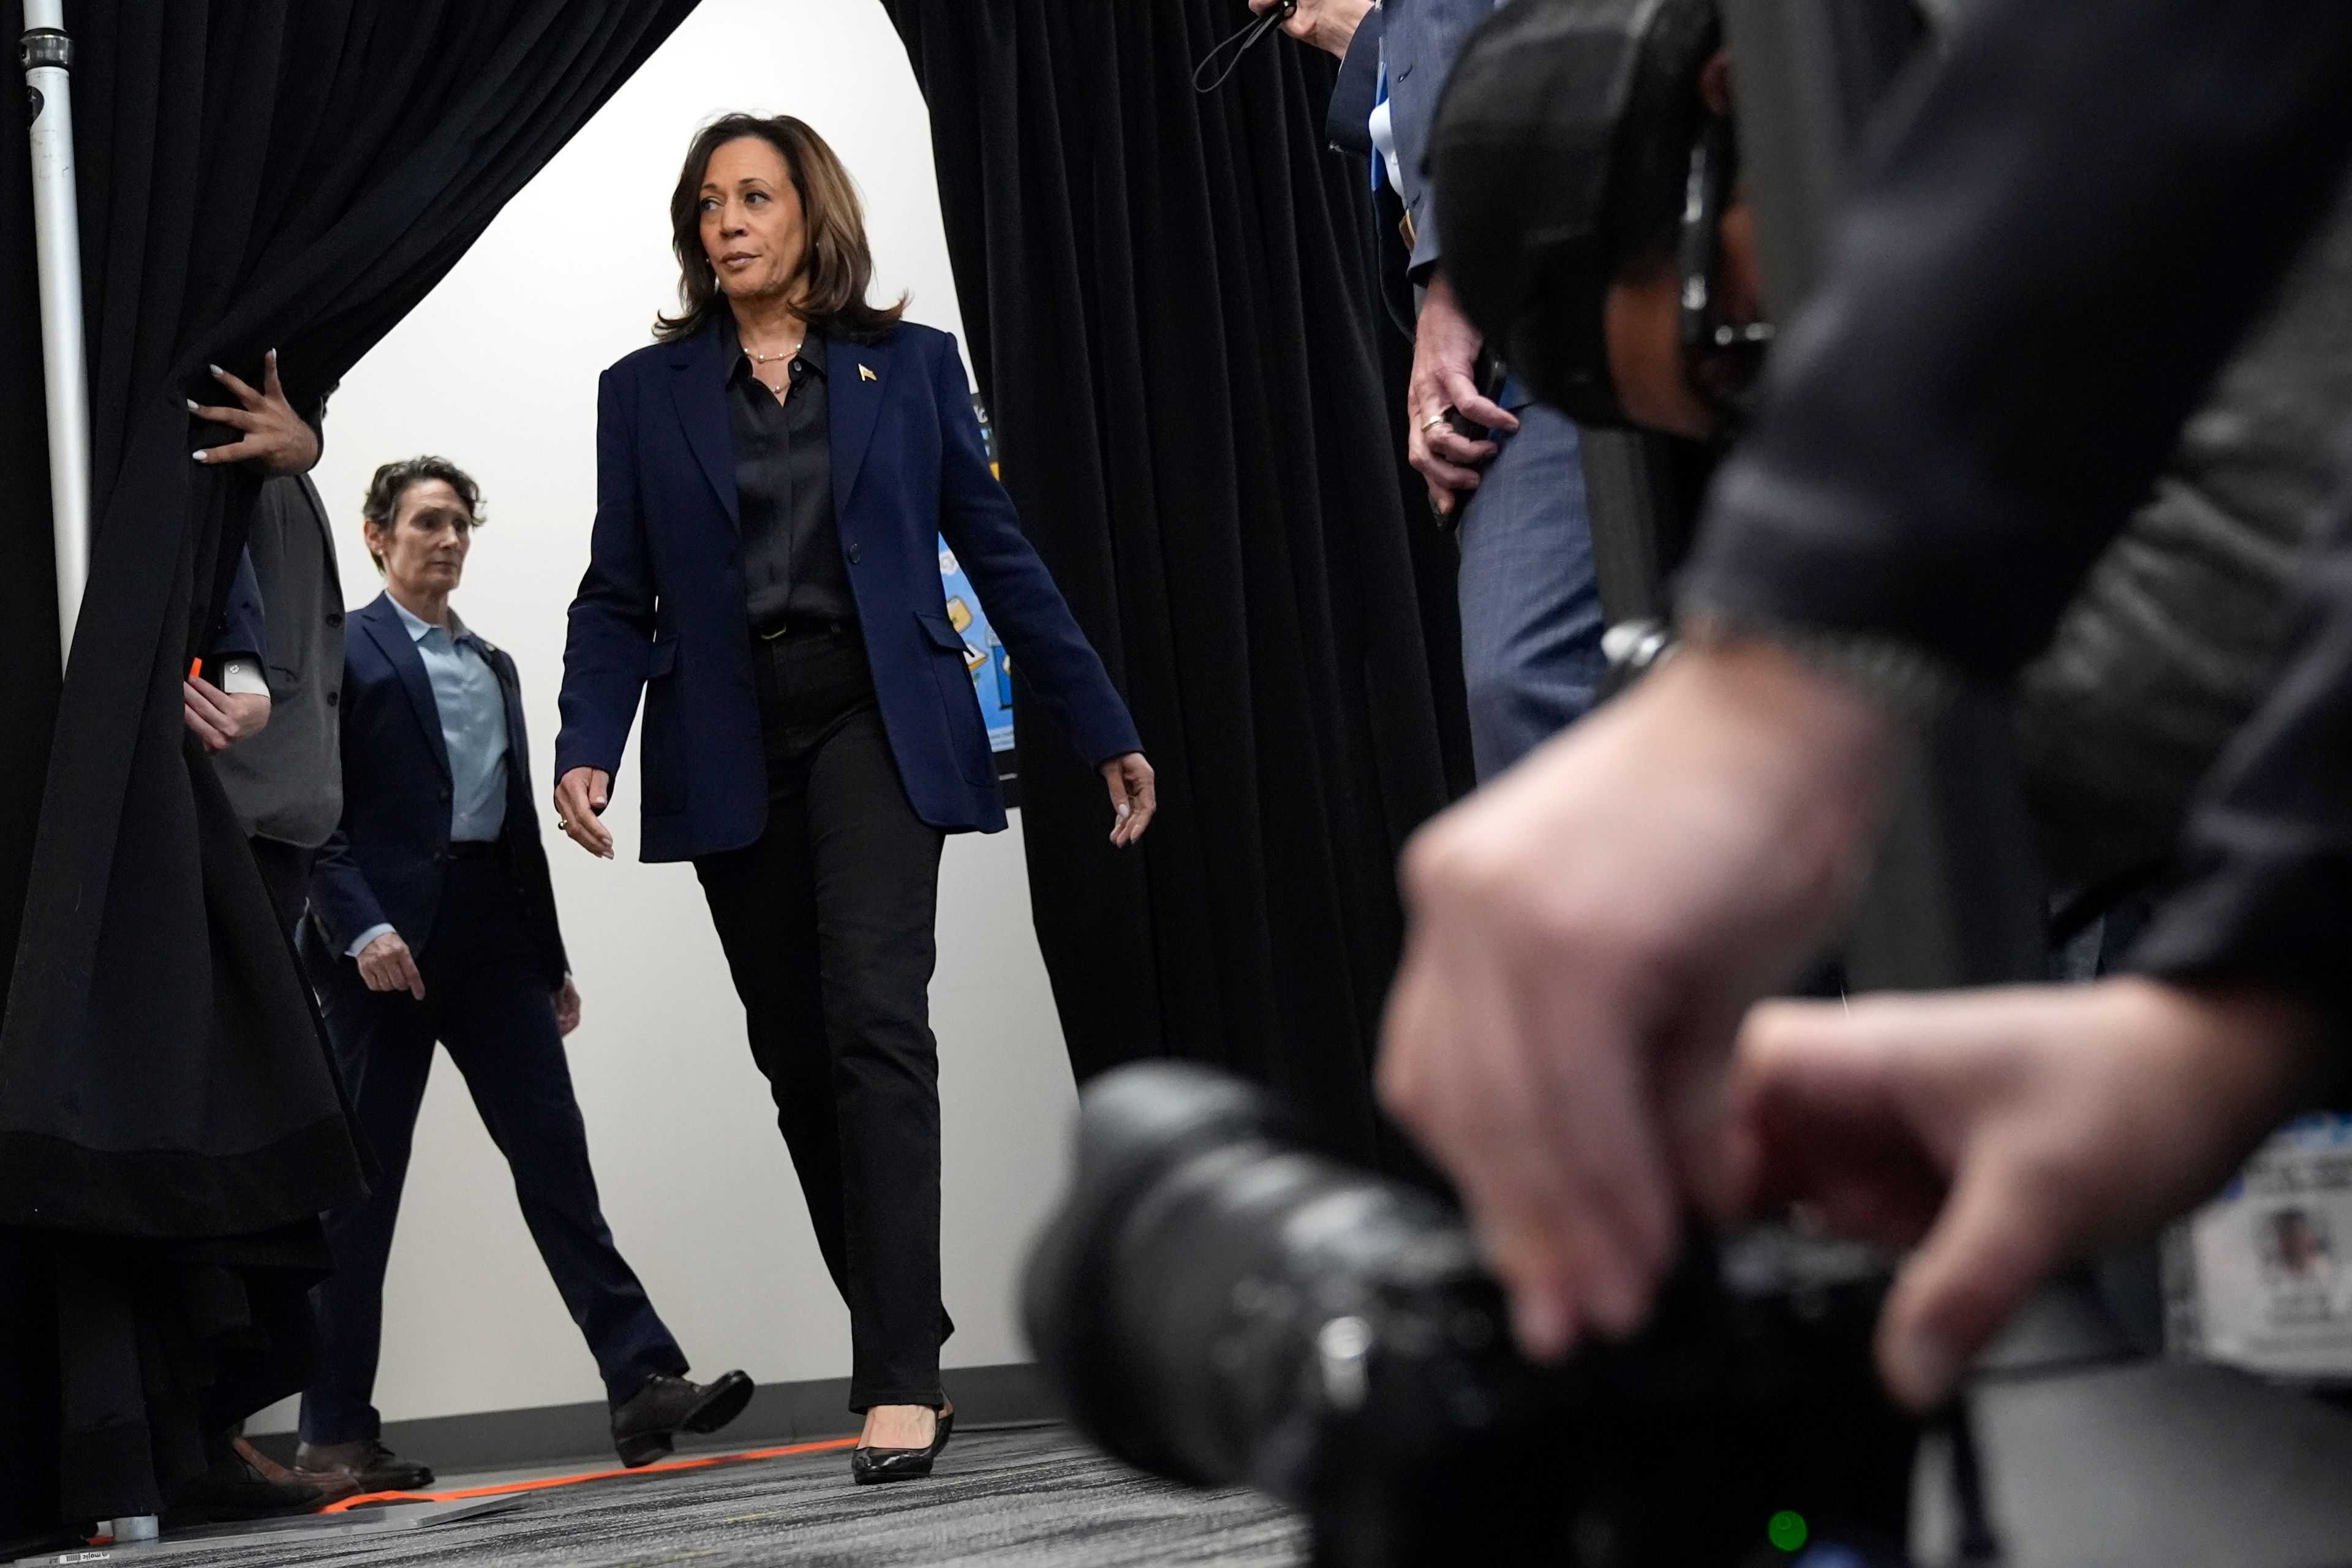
(661, 608)
(387, 859)
(287, 782)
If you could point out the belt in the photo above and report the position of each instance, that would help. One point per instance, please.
(805, 629)
(473, 848)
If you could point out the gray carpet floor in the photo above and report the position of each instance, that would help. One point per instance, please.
(1033, 1496)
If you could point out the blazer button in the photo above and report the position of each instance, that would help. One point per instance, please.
(440, 857)
(333, 698)
(445, 795)
(334, 618)
(854, 554)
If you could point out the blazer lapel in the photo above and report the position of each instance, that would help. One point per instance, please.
(856, 377)
(391, 633)
(697, 386)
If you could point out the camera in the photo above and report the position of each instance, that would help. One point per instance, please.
(1218, 1305)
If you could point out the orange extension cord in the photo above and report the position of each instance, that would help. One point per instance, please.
(550, 1482)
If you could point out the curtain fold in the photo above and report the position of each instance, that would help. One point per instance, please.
(254, 174)
(1171, 311)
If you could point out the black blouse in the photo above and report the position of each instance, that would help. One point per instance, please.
(793, 570)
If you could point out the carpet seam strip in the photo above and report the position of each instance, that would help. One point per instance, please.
(550, 1482)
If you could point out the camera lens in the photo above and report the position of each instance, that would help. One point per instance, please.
(1221, 1305)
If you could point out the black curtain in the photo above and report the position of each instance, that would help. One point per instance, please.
(295, 173)
(1171, 310)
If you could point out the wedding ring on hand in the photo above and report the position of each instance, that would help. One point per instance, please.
(1432, 422)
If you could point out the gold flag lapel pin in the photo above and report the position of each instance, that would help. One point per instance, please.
(866, 374)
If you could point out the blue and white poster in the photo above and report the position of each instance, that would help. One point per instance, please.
(984, 654)
(992, 670)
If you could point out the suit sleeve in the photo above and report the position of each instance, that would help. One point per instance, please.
(2054, 248)
(521, 830)
(1349, 123)
(342, 905)
(1023, 605)
(606, 650)
(245, 626)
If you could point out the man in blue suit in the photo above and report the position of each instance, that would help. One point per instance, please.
(432, 918)
(1531, 602)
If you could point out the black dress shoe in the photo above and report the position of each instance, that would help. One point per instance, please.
(368, 1466)
(644, 1425)
(870, 1464)
(235, 1488)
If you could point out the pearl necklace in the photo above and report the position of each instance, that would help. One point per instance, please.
(771, 359)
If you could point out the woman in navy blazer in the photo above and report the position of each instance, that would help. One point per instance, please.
(774, 476)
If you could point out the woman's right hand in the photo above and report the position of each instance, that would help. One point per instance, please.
(579, 797)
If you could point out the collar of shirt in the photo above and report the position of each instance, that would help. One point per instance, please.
(419, 629)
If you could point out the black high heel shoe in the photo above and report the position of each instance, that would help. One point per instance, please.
(867, 1466)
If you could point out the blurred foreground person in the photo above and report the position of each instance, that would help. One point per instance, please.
(432, 918)
(2173, 636)
(2097, 200)
(773, 479)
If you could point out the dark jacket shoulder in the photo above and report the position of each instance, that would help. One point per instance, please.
(639, 362)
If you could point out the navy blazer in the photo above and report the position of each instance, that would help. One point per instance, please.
(386, 859)
(661, 607)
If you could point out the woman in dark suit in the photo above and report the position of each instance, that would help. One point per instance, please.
(773, 475)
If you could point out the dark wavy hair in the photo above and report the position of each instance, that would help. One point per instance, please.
(836, 266)
(391, 481)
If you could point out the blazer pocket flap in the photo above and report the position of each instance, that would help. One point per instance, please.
(662, 659)
(942, 634)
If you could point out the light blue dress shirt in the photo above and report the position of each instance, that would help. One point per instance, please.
(473, 712)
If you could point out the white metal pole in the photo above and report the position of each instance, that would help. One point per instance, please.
(47, 56)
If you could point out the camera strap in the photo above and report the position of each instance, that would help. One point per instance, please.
(1232, 50)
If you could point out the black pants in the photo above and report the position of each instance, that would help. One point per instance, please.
(485, 998)
(827, 922)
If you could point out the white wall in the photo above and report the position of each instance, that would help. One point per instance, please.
(496, 370)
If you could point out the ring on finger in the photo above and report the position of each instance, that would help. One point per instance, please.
(1432, 422)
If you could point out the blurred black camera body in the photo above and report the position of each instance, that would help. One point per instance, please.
(1219, 1306)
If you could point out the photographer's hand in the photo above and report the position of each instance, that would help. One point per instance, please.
(1444, 376)
(1329, 25)
(2016, 1130)
(1586, 933)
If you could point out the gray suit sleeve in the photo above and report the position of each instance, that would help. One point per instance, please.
(1424, 38)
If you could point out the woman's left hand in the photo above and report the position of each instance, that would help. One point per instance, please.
(1133, 799)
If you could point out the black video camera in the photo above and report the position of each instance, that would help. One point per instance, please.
(1219, 1306)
